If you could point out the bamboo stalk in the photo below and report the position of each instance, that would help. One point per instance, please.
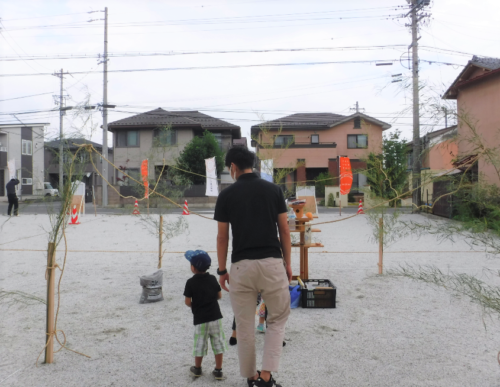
(51, 276)
(93, 200)
(380, 245)
(160, 249)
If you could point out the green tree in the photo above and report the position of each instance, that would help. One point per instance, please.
(386, 173)
(192, 158)
(320, 181)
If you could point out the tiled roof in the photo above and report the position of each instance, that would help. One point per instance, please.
(316, 120)
(161, 117)
(71, 141)
(313, 121)
(490, 64)
(485, 62)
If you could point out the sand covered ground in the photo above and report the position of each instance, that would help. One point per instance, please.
(385, 331)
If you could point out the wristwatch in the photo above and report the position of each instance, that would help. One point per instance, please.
(221, 272)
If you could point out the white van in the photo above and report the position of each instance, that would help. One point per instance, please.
(48, 190)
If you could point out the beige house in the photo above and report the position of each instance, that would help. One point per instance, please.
(439, 152)
(477, 92)
(309, 143)
(143, 136)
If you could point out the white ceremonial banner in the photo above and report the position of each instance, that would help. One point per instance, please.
(266, 170)
(11, 164)
(212, 186)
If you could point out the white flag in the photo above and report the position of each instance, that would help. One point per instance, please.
(212, 186)
(266, 170)
(11, 164)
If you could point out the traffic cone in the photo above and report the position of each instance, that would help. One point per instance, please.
(360, 208)
(185, 210)
(136, 209)
(74, 216)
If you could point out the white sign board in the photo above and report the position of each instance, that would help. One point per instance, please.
(212, 186)
(78, 188)
(11, 164)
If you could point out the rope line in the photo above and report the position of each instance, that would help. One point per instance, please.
(214, 251)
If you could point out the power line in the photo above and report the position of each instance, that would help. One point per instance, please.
(25, 96)
(177, 53)
(368, 61)
(219, 20)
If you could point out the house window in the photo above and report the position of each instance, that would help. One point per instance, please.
(314, 138)
(283, 140)
(27, 147)
(84, 156)
(134, 173)
(357, 122)
(218, 137)
(357, 141)
(127, 138)
(165, 137)
(27, 181)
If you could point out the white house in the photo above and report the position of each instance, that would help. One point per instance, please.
(21, 146)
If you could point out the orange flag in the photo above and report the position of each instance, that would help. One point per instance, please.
(144, 173)
(345, 175)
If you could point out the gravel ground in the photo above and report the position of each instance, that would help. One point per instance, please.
(385, 331)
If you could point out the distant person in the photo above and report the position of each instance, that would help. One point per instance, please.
(202, 293)
(257, 212)
(11, 195)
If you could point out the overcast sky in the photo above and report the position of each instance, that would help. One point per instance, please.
(363, 31)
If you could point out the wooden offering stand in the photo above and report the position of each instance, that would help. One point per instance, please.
(300, 227)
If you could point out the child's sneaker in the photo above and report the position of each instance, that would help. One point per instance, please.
(261, 383)
(195, 371)
(261, 328)
(218, 374)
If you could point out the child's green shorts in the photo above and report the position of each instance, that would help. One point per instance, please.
(202, 332)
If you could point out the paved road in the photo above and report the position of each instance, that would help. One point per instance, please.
(53, 206)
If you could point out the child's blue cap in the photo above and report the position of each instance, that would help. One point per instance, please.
(199, 259)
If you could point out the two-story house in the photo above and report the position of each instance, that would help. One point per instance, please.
(160, 136)
(477, 92)
(91, 177)
(22, 146)
(439, 152)
(309, 143)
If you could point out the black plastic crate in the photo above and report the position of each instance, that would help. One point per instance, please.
(318, 298)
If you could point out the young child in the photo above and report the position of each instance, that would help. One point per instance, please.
(202, 292)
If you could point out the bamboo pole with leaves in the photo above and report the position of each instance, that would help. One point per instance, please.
(51, 280)
(160, 238)
(381, 245)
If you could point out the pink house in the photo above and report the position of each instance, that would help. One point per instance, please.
(312, 142)
(477, 91)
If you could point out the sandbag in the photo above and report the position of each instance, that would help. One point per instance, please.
(152, 281)
(152, 287)
(151, 295)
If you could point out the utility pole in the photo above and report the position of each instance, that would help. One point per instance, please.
(62, 113)
(416, 5)
(105, 113)
(416, 178)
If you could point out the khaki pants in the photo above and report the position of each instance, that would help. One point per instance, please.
(247, 278)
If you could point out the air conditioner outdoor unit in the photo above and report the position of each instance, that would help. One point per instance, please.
(39, 185)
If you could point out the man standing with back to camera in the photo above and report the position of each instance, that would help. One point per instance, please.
(256, 210)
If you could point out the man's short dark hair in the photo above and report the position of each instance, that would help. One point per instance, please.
(241, 157)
